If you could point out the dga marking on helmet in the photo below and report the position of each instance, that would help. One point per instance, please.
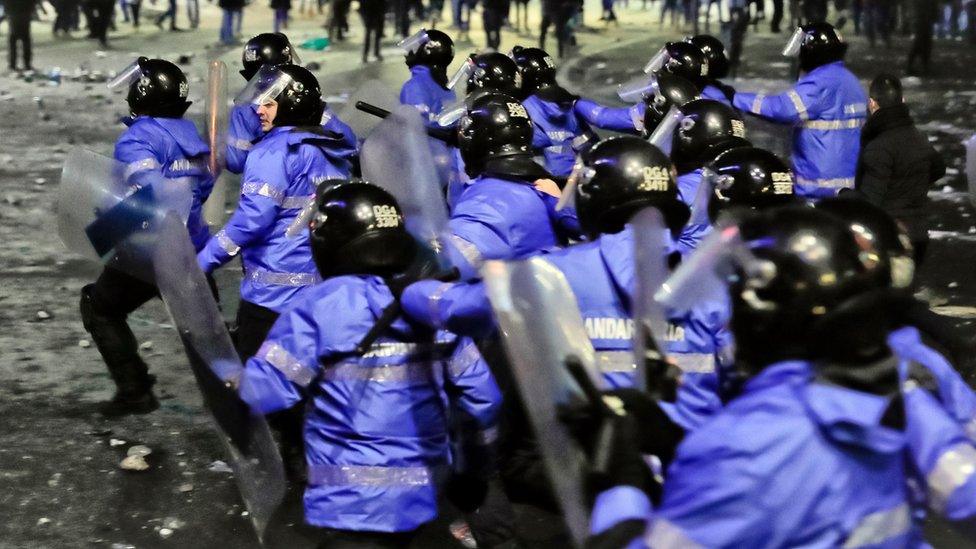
(738, 128)
(518, 80)
(704, 69)
(656, 178)
(184, 89)
(250, 55)
(516, 109)
(549, 62)
(386, 216)
(782, 182)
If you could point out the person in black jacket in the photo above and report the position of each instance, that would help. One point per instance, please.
(897, 164)
(19, 14)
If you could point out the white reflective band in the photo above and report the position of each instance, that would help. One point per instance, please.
(435, 299)
(282, 279)
(326, 117)
(801, 109)
(464, 359)
(636, 118)
(878, 527)
(365, 475)
(757, 103)
(559, 135)
(665, 535)
(952, 470)
(240, 144)
(696, 363)
(226, 243)
(262, 189)
(487, 436)
(611, 362)
(468, 250)
(579, 141)
(838, 183)
(296, 202)
(829, 125)
(410, 372)
(140, 165)
(284, 362)
(856, 108)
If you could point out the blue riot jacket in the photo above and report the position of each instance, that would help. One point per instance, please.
(601, 274)
(824, 471)
(497, 218)
(376, 425)
(172, 147)
(430, 98)
(699, 225)
(558, 132)
(245, 131)
(618, 119)
(827, 109)
(715, 94)
(279, 179)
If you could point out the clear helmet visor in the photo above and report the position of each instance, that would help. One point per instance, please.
(663, 135)
(638, 88)
(413, 43)
(265, 85)
(127, 76)
(792, 48)
(658, 61)
(450, 114)
(462, 74)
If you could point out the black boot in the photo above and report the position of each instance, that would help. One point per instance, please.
(120, 351)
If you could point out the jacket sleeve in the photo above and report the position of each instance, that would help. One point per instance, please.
(244, 130)
(475, 234)
(287, 362)
(620, 516)
(800, 104)
(876, 165)
(349, 146)
(937, 169)
(473, 390)
(565, 220)
(944, 456)
(460, 308)
(262, 190)
(619, 119)
(135, 150)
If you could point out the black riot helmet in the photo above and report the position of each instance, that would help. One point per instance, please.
(714, 50)
(300, 101)
(537, 67)
(495, 128)
(889, 235)
(159, 88)
(672, 91)
(493, 72)
(701, 125)
(618, 177)
(270, 48)
(817, 44)
(816, 291)
(357, 228)
(749, 178)
(436, 51)
(684, 60)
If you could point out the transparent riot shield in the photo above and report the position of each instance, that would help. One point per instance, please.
(375, 93)
(253, 454)
(651, 237)
(662, 136)
(213, 209)
(397, 157)
(971, 168)
(542, 333)
(106, 212)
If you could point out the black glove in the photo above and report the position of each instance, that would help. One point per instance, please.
(656, 433)
(466, 491)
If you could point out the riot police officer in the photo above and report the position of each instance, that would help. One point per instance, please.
(718, 66)
(428, 55)
(157, 139)
(827, 108)
(658, 94)
(271, 49)
(558, 132)
(377, 447)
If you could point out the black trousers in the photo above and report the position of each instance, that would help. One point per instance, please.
(493, 19)
(20, 32)
(348, 539)
(777, 19)
(101, 18)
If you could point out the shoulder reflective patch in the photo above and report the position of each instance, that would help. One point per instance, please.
(297, 202)
(666, 535)
(469, 251)
(952, 470)
(878, 527)
(261, 189)
(240, 144)
(320, 474)
(801, 109)
(283, 361)
(757, 103)
(464, 358)
(139, 165)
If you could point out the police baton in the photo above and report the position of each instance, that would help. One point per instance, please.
(441, 134)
